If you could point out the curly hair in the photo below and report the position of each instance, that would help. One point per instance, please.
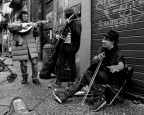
(21, 14)
(69, 12)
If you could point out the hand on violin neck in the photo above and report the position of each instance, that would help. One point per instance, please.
(25, 25)
(62, 37)
(69, 22)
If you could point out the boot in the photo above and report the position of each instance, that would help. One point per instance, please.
(24, 81)
(36, 81)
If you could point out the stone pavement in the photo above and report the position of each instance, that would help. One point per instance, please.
(39, 98)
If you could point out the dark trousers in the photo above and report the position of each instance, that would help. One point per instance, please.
(66, 55)
(34, 65)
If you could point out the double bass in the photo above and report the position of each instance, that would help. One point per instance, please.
(49, 66)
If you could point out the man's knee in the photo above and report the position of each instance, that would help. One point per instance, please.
(23, 63)
(102, 77)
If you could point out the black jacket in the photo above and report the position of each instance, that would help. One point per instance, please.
(75, 35)
(75, 27)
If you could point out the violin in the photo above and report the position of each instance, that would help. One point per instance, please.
(64, 33)
(30, 25)
(65, 29)
(24, 30)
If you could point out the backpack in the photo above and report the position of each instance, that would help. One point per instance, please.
(19, 107)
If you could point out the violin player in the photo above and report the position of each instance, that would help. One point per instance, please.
(71, 35)
(110, 71)
(24, 45)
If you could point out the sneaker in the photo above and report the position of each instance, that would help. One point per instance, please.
(92, 99)
(60, 96)
(80, 93)
(36, 81)
(98, 104)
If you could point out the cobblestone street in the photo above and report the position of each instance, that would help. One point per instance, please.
(39, 98)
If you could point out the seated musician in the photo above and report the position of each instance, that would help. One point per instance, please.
(109, 71)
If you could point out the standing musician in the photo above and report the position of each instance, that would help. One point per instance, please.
(109, 72)
(71, 35)
(24, 45)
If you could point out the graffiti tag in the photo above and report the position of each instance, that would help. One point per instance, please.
(119, 12)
